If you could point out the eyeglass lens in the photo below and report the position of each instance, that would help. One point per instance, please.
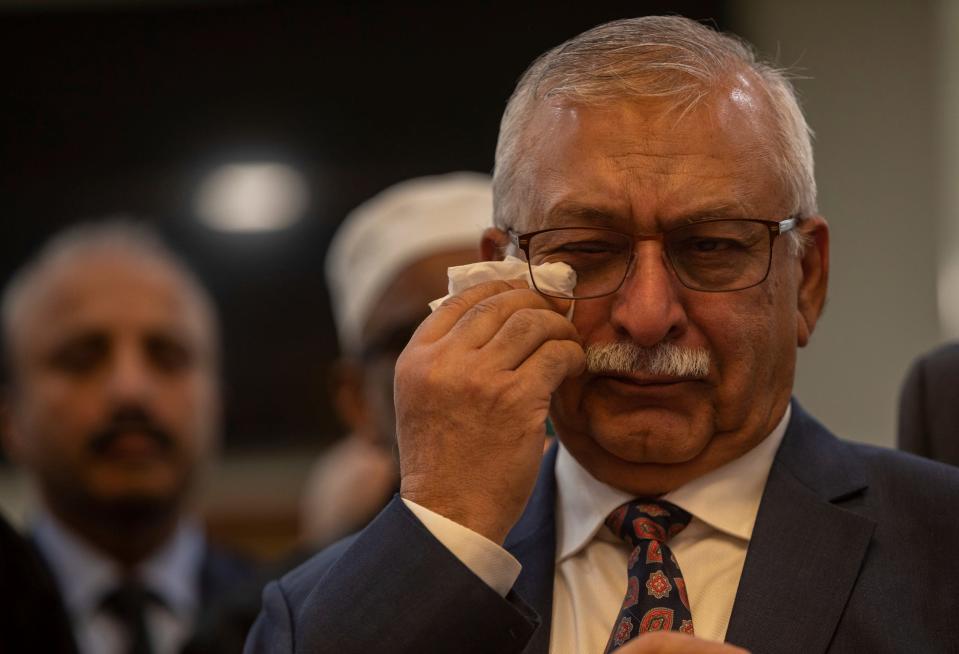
(720, 255)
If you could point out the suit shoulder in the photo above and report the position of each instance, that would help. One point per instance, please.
(299, 582)
(909, 477)
(948, 353)
(941, 362)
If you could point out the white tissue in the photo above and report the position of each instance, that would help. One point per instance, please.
(556, 278)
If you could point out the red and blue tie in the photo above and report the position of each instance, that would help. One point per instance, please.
(655, 592)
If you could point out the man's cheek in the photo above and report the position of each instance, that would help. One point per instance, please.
(590, 315)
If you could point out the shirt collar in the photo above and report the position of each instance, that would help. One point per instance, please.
(85, 575)
(726, 498)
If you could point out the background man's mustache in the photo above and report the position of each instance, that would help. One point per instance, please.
(130, 420)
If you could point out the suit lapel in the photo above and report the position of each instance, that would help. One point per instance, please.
(806, 550)
(533, 542)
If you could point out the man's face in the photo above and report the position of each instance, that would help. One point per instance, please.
(641, 170)
(404, 305)
(115, 399)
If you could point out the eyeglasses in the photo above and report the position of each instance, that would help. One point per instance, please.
(709, 255)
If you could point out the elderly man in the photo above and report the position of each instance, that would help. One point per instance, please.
(386, 262)
(689, 495)
(113, 409)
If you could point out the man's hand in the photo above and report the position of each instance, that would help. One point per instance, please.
(472, 394)
(673, 642)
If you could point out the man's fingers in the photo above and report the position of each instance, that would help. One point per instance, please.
(524, 332)
(437, 325)
(481, 322)
(552, 362)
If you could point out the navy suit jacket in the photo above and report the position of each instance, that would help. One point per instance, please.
(855, 549)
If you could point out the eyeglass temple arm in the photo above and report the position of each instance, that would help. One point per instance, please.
(788, 224)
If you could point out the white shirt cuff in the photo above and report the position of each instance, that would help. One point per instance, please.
(495, 566)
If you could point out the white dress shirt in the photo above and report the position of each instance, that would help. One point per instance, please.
(590, 575)
(85, 576)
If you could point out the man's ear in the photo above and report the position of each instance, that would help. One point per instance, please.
(814, 276)
(10, 438)
(349, 399)
(494, 244)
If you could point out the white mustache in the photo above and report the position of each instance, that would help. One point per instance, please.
(666, 359)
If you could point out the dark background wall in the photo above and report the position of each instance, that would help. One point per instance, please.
(120, 107)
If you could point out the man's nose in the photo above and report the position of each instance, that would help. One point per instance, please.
(130, 375)
(647, 307)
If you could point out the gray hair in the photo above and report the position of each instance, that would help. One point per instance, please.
(132, 238)
(666, 57)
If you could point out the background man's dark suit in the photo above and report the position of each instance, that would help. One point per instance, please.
(929, 406)
(231, 590)
(841, 560)
(32, 618)
(221, 575)
(223, 578)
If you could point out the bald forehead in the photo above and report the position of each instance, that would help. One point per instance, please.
(102, 287)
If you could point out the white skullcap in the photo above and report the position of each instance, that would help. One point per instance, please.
(392, 230)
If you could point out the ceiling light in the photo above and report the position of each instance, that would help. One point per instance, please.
(252, 197)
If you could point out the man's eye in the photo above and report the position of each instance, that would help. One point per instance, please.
(711, 245)
(169, 354)
(80, 356)
(708, 245)
(588, 247)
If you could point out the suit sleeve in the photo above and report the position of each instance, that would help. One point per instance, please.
(273, 630)
(395, 588)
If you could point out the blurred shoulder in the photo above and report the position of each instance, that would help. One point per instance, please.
(943, 360)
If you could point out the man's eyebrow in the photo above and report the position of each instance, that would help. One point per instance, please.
(576, 214)
(728, 211)
(568, 214)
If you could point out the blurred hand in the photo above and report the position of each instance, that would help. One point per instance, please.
(472, 393)
(673, 642)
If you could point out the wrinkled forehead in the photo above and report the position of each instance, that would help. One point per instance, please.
(650, 160)
(108, 289)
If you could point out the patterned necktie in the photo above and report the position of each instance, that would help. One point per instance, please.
(128, 604)
(655, 592)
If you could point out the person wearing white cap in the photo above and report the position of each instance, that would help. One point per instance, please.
(386, 262)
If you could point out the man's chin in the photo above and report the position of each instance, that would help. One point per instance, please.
(126, 494)
(655, 447)
(645, 467)
(640, 449)
(671, 432)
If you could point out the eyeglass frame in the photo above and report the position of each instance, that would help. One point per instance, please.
(776, 228)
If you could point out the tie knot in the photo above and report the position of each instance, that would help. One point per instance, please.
(128, 600)
(646, 519)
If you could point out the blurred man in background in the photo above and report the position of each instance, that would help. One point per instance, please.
(113, 409)
(929, 406)
(386, 262)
